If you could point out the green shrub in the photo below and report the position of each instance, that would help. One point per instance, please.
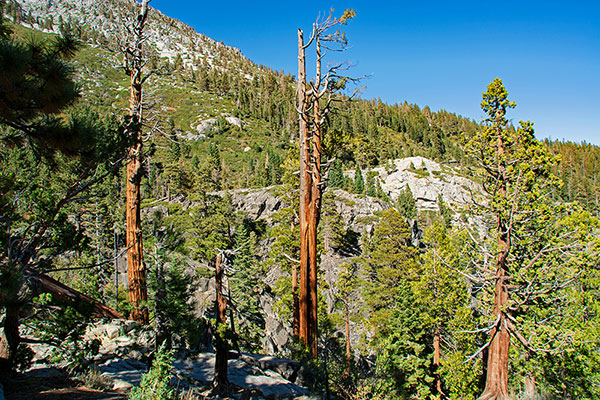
(155, 383)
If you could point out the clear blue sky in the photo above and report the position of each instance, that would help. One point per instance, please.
(438, 53)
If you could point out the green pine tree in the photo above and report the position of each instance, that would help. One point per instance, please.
(406, 203)
(336, 175)
(359, 182)
(401, 341)
(371, 189)
(533, 280)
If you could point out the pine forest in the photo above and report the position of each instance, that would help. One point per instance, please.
(178, 222)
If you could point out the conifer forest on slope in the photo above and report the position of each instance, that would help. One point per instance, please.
(390, 251)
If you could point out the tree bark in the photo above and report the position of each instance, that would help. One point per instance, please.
(9, 334)
(305, 185)
(135, 267)
(59, 291)
(496, 384)
(221, 348)
(314, 213)
(138, 294)
(436, 340)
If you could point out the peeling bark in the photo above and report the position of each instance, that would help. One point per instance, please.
(138, 293)
(305, 185)
(496, 384)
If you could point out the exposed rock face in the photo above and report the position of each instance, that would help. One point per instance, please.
(358, 211)
(257, 204)
(427, 181)
(247, 371)
(210, 126)
(235, 121)
(106, 18)
(207, 126)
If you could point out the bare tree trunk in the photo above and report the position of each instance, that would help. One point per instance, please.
(315, 207)
(496, 384)
(59, 291)
(221, 348)
(312, 279)
(136, 273)
(310, 171)
(305, 185)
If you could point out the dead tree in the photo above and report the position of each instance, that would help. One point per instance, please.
(221, 349)
(133, 64)
(305, 185)
(314, 103)
(222, 263)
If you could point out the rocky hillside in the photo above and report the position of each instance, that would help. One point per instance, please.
(199, 114)
(106, 22)
(429, 182)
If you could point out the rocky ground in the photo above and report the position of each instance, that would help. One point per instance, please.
(124, 357)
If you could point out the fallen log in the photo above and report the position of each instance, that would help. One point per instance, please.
(46, 284)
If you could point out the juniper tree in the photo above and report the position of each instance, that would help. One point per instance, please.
(314, 100)
(537, 251)
(133, 62)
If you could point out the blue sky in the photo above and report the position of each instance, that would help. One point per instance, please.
(438, 53)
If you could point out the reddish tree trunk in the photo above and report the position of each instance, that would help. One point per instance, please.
(496, 384)
(305, 185)
(314, 213)
(221, 348)
(313, 223)
(436, 340)
(136, 273)
(138, 294)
